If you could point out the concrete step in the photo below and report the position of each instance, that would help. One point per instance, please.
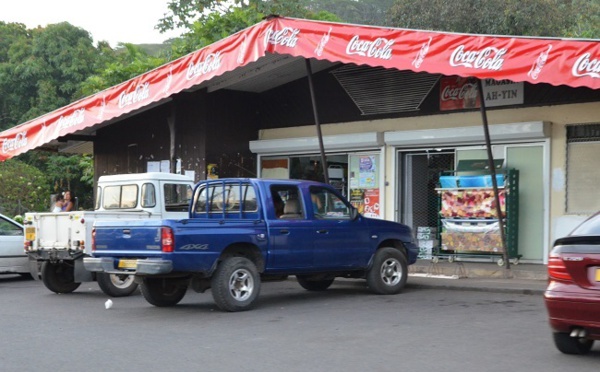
(465, 269)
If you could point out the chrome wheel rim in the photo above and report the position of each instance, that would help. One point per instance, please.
(391, 272)
(241, 284)
(121, 281)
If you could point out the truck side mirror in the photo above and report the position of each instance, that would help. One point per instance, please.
(354, 214)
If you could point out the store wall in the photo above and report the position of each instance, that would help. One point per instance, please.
(558, 115)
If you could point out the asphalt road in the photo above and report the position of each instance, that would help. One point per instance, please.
(343, 329)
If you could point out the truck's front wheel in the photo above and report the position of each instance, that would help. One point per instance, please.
(235, 284)
(389, 272)
(116, 285)
(163, 292)
(58, 277)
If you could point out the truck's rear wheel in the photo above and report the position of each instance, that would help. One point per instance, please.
(389, 272)
(235, 284)
(116, 285)
(58, 277)
(163, 292)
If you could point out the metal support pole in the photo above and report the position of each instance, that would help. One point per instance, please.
(316, 115)
(488, 145)
(171, 123)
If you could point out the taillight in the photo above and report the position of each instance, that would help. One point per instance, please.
(167, 239)
(557, 269)
(93, 240)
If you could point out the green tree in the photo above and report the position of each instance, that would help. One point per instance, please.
(554, 18)
(24, 188)
(129, 62)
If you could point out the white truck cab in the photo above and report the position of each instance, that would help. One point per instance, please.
(57, 242)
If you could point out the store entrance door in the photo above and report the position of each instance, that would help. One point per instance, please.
(419, 177)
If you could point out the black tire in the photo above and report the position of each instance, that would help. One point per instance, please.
(572, 345)
(59, 277)
(235, 284)
(389, 272)
(116, 285)
(313, 285)
(163, 292)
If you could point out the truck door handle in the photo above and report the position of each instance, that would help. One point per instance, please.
(126, 231)
(322, 231)
(285, 232)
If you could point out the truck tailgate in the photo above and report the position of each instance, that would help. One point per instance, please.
(51, 230)
(127, 240)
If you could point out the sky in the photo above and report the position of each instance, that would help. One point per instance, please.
(130, 21)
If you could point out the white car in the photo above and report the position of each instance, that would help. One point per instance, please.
(13, 259)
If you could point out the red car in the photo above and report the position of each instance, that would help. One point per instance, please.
(573, 294)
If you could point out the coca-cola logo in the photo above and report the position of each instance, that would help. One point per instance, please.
(141, 93)
(211, 63)
(453, 92)
(585, 66)
(322, 43)
(489, 58)
(12, 144)
(285, 37)
(378, 48)
(76, 118)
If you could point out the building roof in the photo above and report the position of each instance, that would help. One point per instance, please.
(273, 52)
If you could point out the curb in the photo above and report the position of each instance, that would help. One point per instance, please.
(459, 287)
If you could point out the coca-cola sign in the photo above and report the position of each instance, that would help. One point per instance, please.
(586, 66)
(287, 37)
(211, 63)
(489, 58)
(141, 93)
(12, 144)
(76, 118)
(458, 93)
(378, 48)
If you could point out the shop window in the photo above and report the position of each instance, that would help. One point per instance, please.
(583, 176)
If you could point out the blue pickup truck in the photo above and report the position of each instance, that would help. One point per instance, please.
(241, 232)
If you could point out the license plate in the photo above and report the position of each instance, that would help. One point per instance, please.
(598, 275)
(30, 233)
(127, 264)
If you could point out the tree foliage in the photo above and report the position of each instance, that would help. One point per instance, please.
(555, 18)
(24, 188)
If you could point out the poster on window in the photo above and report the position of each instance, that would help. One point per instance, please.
(367, 168)
(371, 202)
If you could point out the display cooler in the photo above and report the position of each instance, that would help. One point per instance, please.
(468, 223)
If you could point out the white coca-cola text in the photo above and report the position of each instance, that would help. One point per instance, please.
(12, 144)
(489, 58)
(585, 66)
(378, 48)
(211, 63)
(285, 37)
(141, 93)
(452, 93)
(76, 118)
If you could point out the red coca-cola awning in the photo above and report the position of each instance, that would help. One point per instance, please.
(575, 63)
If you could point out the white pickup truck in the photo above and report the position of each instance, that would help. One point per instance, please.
(56, 243)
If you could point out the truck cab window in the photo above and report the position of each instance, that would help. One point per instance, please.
(327, 205)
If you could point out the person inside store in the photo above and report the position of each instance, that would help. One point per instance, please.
(58, 203)
(68, 202)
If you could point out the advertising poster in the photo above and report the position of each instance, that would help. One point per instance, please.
(357, 199)
(371, 203)
(367, 171)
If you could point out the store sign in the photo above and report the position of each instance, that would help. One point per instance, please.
(458, 93)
